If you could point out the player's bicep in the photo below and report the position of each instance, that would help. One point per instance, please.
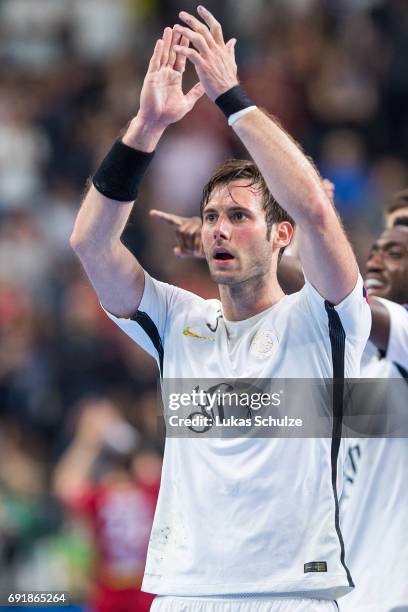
(112, 269)
(117, 278)
(147, 326)
(327, 258)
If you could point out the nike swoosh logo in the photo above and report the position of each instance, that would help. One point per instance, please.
(188, 332)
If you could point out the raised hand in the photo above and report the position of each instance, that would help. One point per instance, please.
(162, 99)
(188, 233)
(214, 60)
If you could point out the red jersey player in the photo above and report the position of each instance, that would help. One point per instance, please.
(96, 479)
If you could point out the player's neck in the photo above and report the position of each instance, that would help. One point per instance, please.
(247, 299)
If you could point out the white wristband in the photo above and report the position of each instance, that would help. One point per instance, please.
(235, 116)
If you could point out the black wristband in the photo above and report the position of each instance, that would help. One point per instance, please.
(233, 100)
(121, 172)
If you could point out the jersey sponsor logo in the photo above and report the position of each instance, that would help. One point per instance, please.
(212, 410)
(187, 331)
(315, 566)
(263, 344)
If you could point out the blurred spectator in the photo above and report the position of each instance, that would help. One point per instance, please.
(94, 478)
(24, 256)
(342, 92)
(343, 162)
(57, 214)
(31, 38)
(26, 515)
(391, 19)
(101, 28)
(23, 152)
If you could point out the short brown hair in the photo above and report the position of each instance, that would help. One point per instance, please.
(398, 200)
(235, 169)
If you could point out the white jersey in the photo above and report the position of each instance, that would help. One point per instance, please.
(249, 515)
(374, 507)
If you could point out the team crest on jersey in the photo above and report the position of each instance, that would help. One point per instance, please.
(264, 344)
(188, 331)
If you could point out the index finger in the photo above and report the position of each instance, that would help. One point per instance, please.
(180, 63)
(167, 217)
(213, 24)
(154, 64)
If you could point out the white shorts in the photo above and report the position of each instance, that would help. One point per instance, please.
(241, 604)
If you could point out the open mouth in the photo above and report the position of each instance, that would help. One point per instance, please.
(222, 255)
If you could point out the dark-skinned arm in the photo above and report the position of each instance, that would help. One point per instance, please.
(380, 329)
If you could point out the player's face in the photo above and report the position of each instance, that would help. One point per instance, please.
(387, 266)
(234, 234)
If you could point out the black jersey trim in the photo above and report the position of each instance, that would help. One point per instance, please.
(149, 327)
(338, 347)
(402, 371)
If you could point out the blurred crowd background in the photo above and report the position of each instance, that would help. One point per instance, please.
(78, 403)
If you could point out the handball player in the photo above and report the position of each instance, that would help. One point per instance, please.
(248, 524)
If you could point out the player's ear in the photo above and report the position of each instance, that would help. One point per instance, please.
(282, 234)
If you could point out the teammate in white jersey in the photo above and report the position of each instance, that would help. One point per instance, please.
(374, 506)
(241, 523)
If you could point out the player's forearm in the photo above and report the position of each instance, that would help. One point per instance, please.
(114, 272)
(101, 220)
(99, 223)
(290, 176)
(143, 135)
(74, 469)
